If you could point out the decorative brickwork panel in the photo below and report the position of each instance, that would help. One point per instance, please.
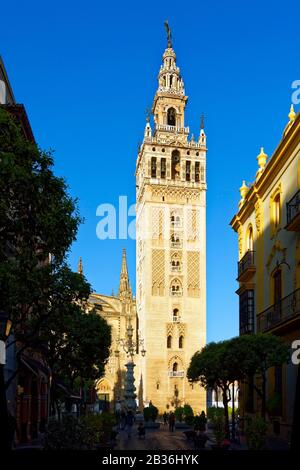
(193, 267)
(158, 272)
(158, 221)
(192, 225)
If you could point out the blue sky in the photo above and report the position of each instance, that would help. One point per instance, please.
(86, 71)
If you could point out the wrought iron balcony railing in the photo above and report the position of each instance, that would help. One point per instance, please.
(293, 213)
(177, 373)
(176, 319)
(280, 313)
(246, 266)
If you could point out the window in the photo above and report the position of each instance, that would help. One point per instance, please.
(169, 342)
(163, 168)
(180, 342)
(175, 219)
(188, 170)
(175, 367)
(175, 315)
(197, 172)
(153, 167)
(175, 165)
(175, 265)
(276, 211)
(202, 174)
(171, 117)
(247, 312)
(250, 239)
(176, 287)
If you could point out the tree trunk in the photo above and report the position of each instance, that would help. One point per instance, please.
(225, 403)
(233, 415)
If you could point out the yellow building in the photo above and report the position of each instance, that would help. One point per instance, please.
(268, 227)
(171, 245)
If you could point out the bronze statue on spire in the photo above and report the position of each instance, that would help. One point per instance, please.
(169, 35)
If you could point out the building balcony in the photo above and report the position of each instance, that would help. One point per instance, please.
(176, 224)
(176, 319)
(293, 213)
(246, 266)
(281, 314)
(175, 269)
(177, 373)
(176, 244)
(168, 128)
(176, 293)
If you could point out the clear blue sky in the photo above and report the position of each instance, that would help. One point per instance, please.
(86, 71)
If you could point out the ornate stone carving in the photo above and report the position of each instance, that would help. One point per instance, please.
(240, 241)
(258, 216)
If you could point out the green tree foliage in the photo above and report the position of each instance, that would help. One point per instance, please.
(42, 296)
(256, 433)
(221, 364)
(150, 413)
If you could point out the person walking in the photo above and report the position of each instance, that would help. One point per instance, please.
(165, 417)
(171, 422)
(129, 423)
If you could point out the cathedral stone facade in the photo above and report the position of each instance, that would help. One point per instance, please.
(169, 312)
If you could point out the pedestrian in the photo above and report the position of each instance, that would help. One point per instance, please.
(171, 422)
(141, 431)
(129, 423)
(165, 417)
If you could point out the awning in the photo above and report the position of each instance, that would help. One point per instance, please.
(35, 367)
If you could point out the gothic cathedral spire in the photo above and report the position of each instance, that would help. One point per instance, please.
(124, 286)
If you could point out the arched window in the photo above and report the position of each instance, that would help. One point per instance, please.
(250, 239)
(180, 342)
(176, 287)
(171, 118)
(169, 342)
(175, 165)
(175, 367)
(276, 210)
(171, 83)
(175, 315)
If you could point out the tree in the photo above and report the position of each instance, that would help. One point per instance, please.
(38, 220)
(221, 364)
(78, 347)
(254, 355)
(214, 366)
(40, 294)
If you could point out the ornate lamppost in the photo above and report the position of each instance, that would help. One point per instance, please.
(130, 347)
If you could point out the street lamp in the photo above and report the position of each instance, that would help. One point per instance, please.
(5, 327)
(130, 347)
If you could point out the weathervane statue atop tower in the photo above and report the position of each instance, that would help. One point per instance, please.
(169, 35)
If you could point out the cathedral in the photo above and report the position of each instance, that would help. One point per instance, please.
(169, 312)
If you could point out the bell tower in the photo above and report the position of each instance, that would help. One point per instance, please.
(171, 245)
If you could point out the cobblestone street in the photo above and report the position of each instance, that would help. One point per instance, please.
(156, 439)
